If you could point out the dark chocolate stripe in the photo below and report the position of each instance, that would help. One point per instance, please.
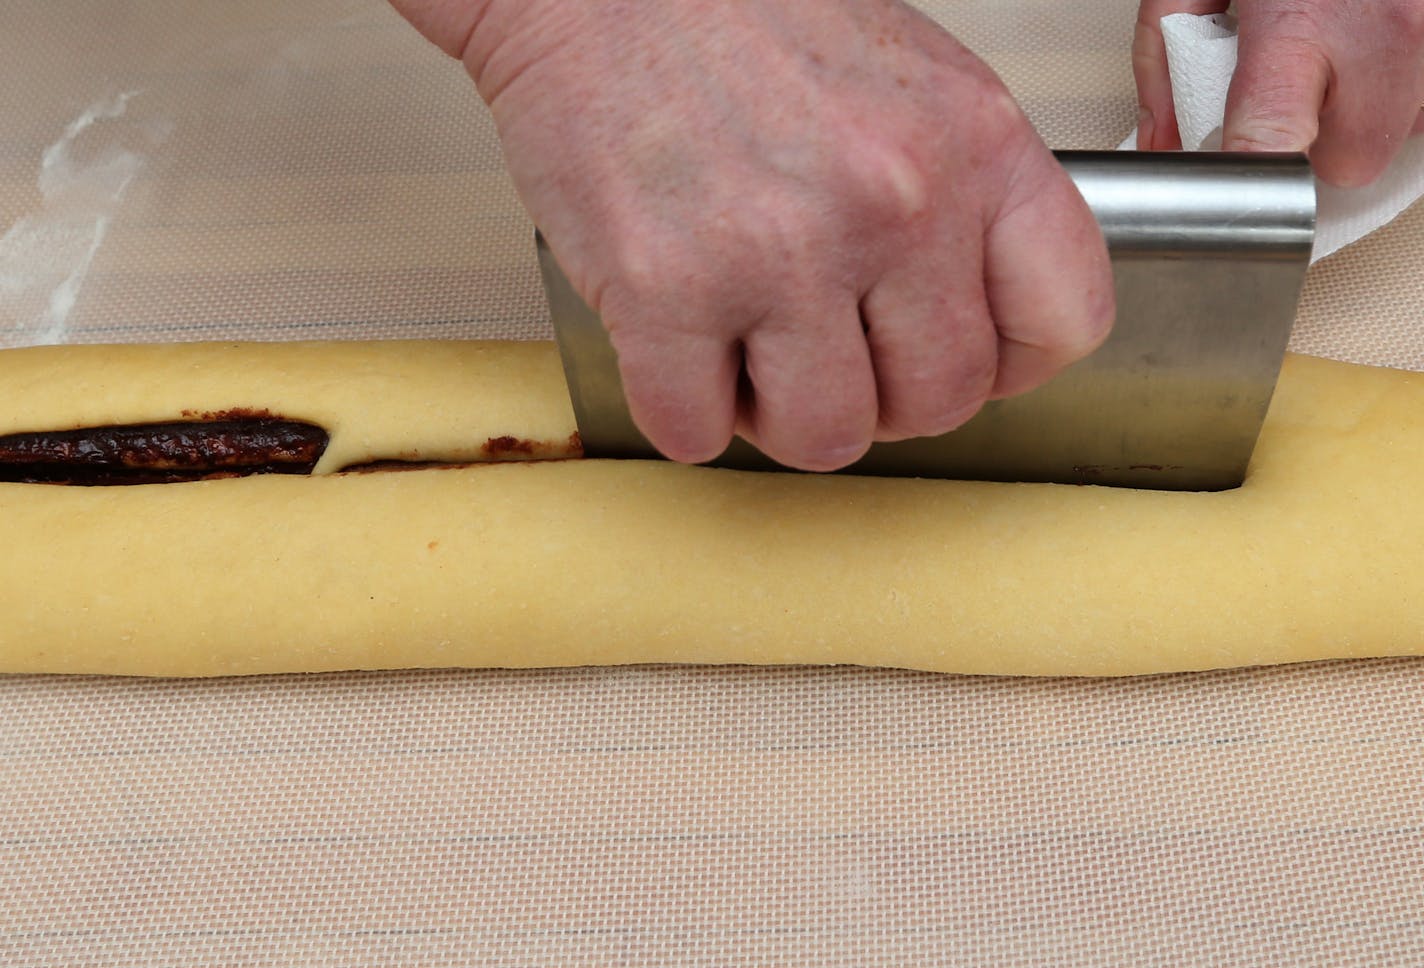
(162, 452)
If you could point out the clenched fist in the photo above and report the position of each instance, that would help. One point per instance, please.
(812, 224)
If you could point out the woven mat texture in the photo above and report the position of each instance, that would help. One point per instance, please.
(266, 170)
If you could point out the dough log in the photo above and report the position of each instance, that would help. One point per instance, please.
(566, 562)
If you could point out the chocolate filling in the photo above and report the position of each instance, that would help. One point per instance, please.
(161, 453)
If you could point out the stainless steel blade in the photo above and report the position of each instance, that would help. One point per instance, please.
(1209, 252)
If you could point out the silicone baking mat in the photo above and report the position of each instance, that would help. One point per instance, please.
(268, 170)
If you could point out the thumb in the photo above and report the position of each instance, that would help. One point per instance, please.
(1278, 88)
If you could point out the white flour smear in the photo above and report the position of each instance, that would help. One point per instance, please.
(44, 256)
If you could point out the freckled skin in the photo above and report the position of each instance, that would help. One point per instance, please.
(834, 206)
(822, 224)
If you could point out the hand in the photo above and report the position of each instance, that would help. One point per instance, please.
(1341, 78)
(814, 225)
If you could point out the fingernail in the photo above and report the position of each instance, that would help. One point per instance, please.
(1145, 125)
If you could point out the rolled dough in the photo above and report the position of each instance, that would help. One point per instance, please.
(1319, 555)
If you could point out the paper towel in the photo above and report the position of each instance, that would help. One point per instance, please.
(1201, 57)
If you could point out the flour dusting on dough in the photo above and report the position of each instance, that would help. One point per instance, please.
(45, 256)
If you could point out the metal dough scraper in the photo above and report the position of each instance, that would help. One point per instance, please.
(1209, 251)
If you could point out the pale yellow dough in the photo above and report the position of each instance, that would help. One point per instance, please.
(1319, 555)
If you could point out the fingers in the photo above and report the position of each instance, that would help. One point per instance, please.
(812, 398)
(1315, 77)
(1279, 86)
(681, 385)
(942, 334)
(933, 343)
(1371, 104)
(808, 399)
(1157, 116)
(1047, 277)
(951, 330)
(1362, 128)
(1298, 86)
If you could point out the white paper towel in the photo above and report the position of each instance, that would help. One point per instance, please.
(1201, 57)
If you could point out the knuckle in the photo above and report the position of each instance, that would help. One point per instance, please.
(894, 183)
(672, 286)
(999, 115)
(812, 416)
(1147, 55)
(1147, 46)
(989, 130)
(1292, 44)
(635, 267)
(939, 399)
(1273, 125)
(1298, 20)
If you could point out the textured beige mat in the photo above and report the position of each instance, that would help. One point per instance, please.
(268, 170)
